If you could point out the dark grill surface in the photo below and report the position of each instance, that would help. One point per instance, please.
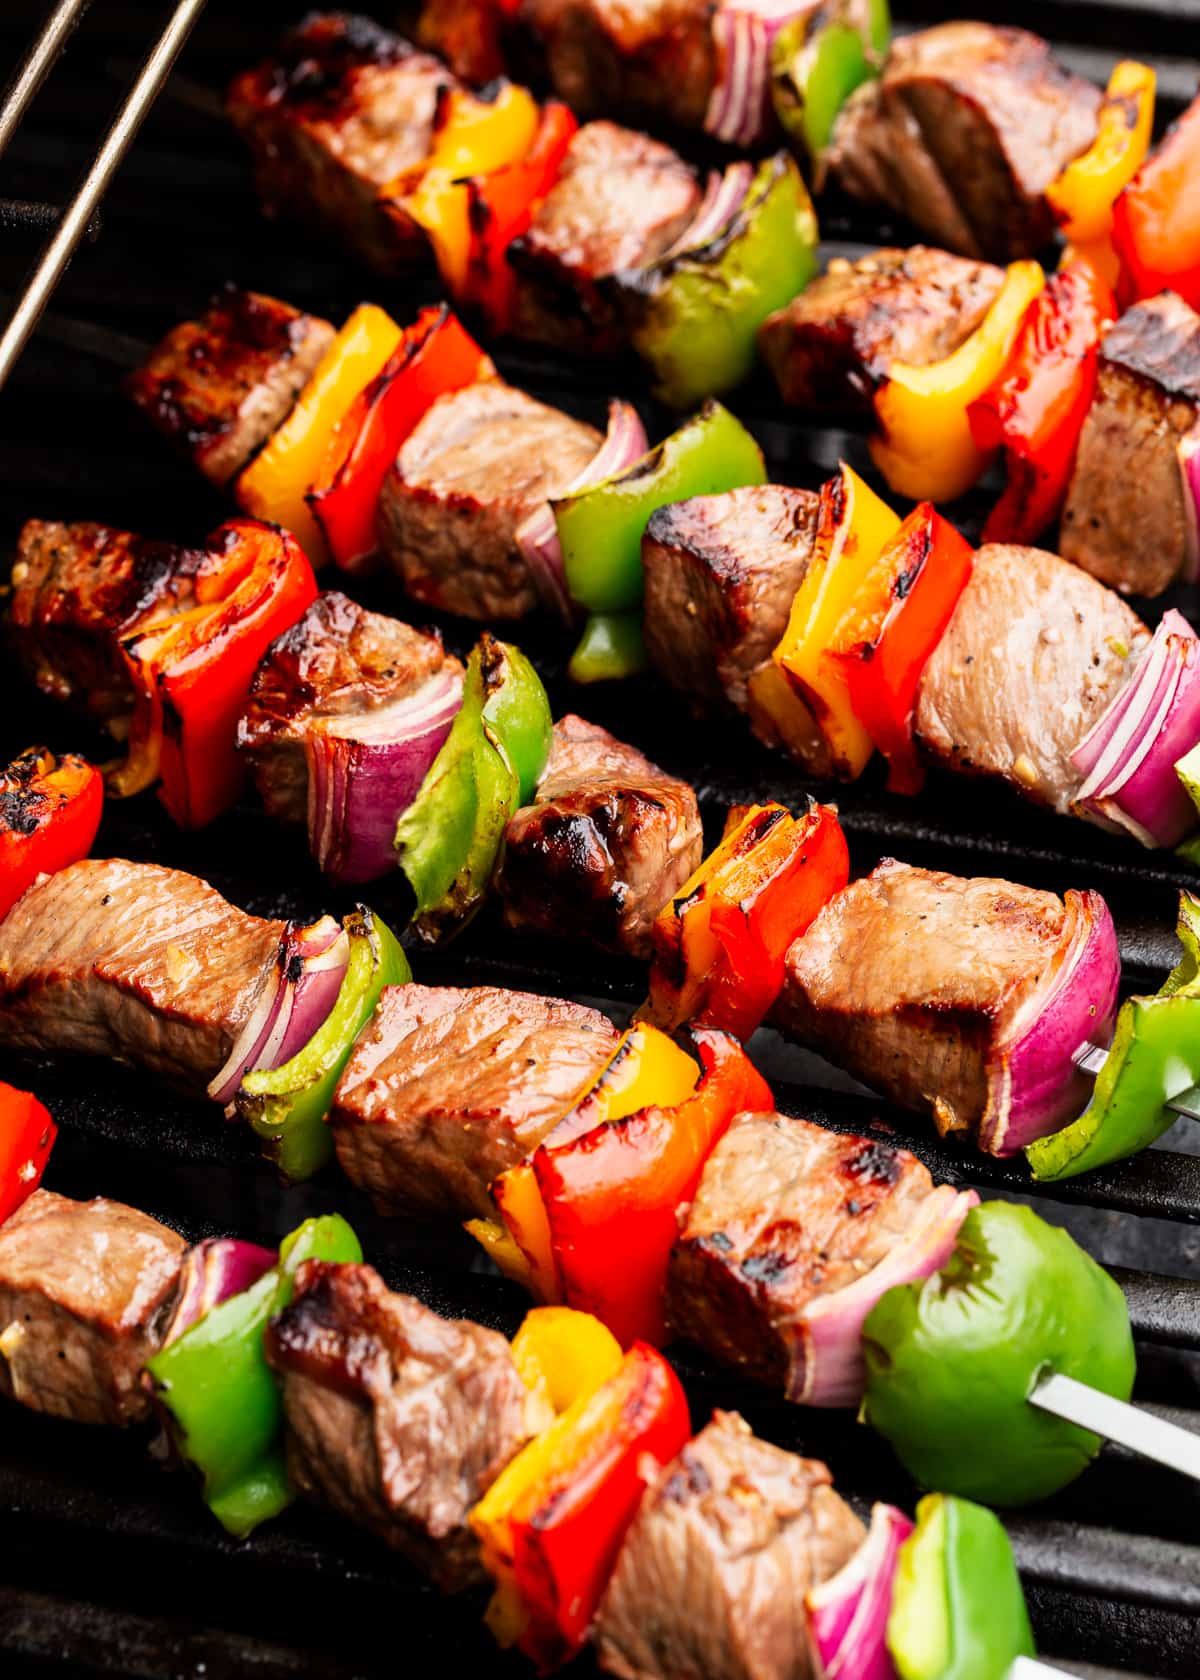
(112, 1567)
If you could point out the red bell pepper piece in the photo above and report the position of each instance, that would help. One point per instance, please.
(568, 1530)
(896, 620)
(193, 674)
(1037, 407)
(437, 355)
(27, 1135)
(1156, 220)
(611, 1195)
(501, 207)
(49, 813)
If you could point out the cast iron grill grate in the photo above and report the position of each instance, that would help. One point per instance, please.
(110, 1567)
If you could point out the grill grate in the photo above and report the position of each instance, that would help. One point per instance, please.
(110, 1565)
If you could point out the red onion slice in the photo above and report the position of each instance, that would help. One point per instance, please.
(1035, 1084)
(1189, 470)
(295, 997)
(213, 1271)
(723, 198)
(537, 535)
(364, 773)
(739, 108)
(832, 1372)
(848, 1614)
(1129, 757)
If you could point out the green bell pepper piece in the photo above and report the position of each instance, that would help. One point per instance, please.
(449, 840)
(817, 62)
(958, 1612)
(695, 317)
(951, 1360)
(221, 1395)
(1154, 1056)
(1188, 771)
(611, 646)
(287, 1105)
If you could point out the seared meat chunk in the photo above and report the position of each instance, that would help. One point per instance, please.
(710, 1582)
(447, 1088)
(86, 1289)
(480, 461)
(132, 961)
(621, 199)
(607, 843)
(1126, 515)
(396, 1418)
(909, 978)
(337, 667)
(77, 592)
(655, 61)
(835, 343)
(787, 1219)
(966, 128)
(345, 110)
(1034, 653)
(218, 387)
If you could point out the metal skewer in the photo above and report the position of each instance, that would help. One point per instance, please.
(1186, 1105)
(1129, 1426)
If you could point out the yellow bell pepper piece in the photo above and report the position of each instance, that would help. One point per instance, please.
(273, 486)
(855, 526)
(926, 450)
(1083, 196)
(647, 1070)
(477, 137)
(563, 1354)
(499, 1244)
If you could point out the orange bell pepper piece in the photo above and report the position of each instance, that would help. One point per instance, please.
(49, 812)
(1156, 220)
(27, 1135)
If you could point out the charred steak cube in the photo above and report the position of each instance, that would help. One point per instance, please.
(397, 1419)
(834, 344)
(218, 387)
(132, 961)
(337, 666)
(966, 128)
(787, 1218)
(479, 463)
(909, 977)
(77, 592)
(710, 1582)
(447, 1088)
(1034, 653)
(343, 111)
(1126, 518)
(620, 201)
(609, 839)
(86, 1290)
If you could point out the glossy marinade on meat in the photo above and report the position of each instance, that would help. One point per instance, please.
(218, 387)
(86, 1292)
(608, 841)
(480, 461)
(397, 1419)
(447, 1088)
(1126, 517)
(132, 961)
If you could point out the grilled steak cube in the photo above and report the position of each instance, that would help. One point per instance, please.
(1126, 515)
(834, 344)
(396, 1418)
(656, 61)
(607, 843)
(621, 199)
(218, 387)
(343, 111)
(966, 128)
(447, 1088)
(77, 592)
(132, 961)
(480, 461)
(337, 665)
(710, 1582)
(1034, 653)
(86, 1291)
(909, 978)
(788, 1216)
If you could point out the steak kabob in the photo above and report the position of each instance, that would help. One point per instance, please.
(557, 1467)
